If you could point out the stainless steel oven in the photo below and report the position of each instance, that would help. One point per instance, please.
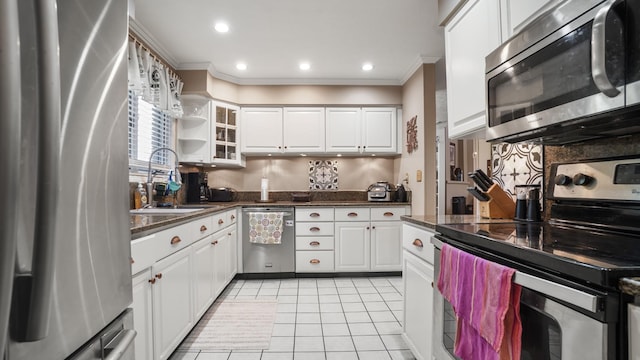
(569, 267)
(557, 80)
(552, 327)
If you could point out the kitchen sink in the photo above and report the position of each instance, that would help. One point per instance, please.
(164, 211)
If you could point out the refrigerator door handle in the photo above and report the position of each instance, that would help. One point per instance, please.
(49, 92)
(10, 135)
(123, 342)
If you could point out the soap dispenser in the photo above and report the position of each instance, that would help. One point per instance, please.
(140, 197)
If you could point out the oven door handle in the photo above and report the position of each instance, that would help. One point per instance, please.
(570, 295)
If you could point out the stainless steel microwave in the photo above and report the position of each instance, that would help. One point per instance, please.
(572, 74)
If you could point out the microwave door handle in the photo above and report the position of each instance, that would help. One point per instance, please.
(10, 102)
(598, 53)
(36, 321)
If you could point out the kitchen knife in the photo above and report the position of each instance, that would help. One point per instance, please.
(478, 194)
(484, 186)
(484, 177)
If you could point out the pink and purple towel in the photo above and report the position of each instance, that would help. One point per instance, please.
(486, 303)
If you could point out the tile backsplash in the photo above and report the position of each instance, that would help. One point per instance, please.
(323, 175)
(516, 164)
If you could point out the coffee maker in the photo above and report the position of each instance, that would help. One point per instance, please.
(197, 187)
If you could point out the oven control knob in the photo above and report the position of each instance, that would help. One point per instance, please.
(562, 180)
(582, 179)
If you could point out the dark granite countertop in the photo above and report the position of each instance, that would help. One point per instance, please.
(630, 286)
(430, 221)
(142, 225)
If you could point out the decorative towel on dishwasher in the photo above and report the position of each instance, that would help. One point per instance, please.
(486, 303)
(265, 227)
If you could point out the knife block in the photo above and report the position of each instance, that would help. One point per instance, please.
(500, 206)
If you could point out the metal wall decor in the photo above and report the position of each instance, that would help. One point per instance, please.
(412, 135)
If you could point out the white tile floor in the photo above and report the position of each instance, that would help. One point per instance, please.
(324, 318)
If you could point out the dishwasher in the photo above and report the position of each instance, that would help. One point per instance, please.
(258, 258)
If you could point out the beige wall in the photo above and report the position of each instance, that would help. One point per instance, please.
(291, 173)
(201, 82)
(418, 95)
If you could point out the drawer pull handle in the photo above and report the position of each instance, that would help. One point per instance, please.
(233, 217)
(418, 243)
(228, 234)
(314, 261)
(220, 222)
(215, 242)
(175, 240)
(352, 214)
(152, 281)
(203, 228)
(159, 275)
(388, 213)
(314, 229)
(314, 215)
(314, 243)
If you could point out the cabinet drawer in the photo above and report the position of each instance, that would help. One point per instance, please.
(352, 214)
(314, 243)
(149, 249)
(220, 221)
(232, 217)
(314, 228)
(314, 214)
(387, 213)
(418, 242)
(314, 261)
(202, 227)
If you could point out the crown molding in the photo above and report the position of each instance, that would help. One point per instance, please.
(145, 36)
(420, 60)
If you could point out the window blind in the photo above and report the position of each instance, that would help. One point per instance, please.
(149, 129)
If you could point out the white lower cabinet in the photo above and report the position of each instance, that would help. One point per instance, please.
(172, 304)
(386, 246)
(418, 285)
(417, 276)
(203, 267)
(174, 286)
(142, 314)
(352, 243)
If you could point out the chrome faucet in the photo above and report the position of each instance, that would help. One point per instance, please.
(150, 175)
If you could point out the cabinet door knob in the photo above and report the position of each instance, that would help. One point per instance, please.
(175, 240)
(314, 215)
(152, 281)
(373, 227)
(314, 261)
(432, 284)
(131, 260)
(220, 222)
(314, 229)
(203, 228)
(388, 213)
(418, 243)
(368, 228)
(159, 275)
(233, 217)
(314, 243)
(352, 214)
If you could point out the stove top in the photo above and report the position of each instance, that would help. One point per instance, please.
(587, 255)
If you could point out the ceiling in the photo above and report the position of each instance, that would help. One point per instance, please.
(273, 36)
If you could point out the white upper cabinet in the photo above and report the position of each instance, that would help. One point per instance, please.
(343, 130)
(469, 37)
(516, 14)
(367, 130)
(379, 130)
(261, 130)
(304, 130)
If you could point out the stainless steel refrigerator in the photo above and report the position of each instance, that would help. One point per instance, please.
(65, 281)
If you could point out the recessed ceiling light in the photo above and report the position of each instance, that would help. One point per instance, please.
(221, 27)
(305, 66)
(241, 66)
(367, 67)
